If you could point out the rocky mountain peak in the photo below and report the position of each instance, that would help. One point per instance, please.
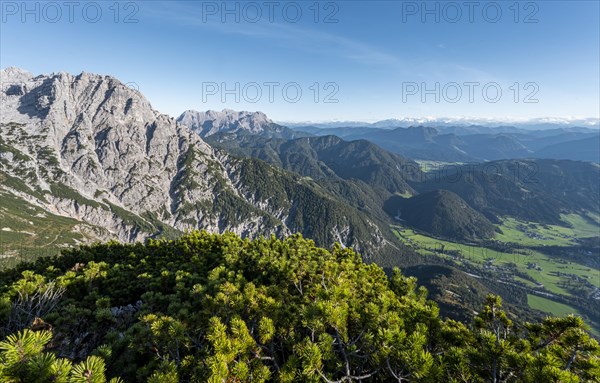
(92, 138)
(13, 74)
(90, 148)
(211, 122)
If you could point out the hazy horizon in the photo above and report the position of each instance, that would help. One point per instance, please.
(593, 122)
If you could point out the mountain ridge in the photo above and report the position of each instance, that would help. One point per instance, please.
(211, 122)
(441, 213)
(468, 143)
(96, 150)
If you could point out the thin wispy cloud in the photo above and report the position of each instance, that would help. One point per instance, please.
(300, 37)
(311, 40)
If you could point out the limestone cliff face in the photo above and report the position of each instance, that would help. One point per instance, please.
(91, 148)
(93, 136)
(232, 124)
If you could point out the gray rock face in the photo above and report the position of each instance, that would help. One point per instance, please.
(91, 148)
(231, 125)
(211, 122)
(103, 141)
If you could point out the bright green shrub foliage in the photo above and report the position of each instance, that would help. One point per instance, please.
(218, 308)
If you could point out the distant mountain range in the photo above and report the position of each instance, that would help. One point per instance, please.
(363, 173)
(459, 143)
(451, 123)
(533, 190)
(475, 143)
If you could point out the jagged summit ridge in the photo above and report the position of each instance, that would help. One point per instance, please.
(210, 122)
(14, 74)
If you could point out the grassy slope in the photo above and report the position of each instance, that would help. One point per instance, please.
(547, 305)
(30, 231)
(554, 308)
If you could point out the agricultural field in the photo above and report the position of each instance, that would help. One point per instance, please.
(587, 225)
(536, 234)
(547, 305)
(536, 271)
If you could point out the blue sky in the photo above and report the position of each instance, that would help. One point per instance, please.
(371, 60)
